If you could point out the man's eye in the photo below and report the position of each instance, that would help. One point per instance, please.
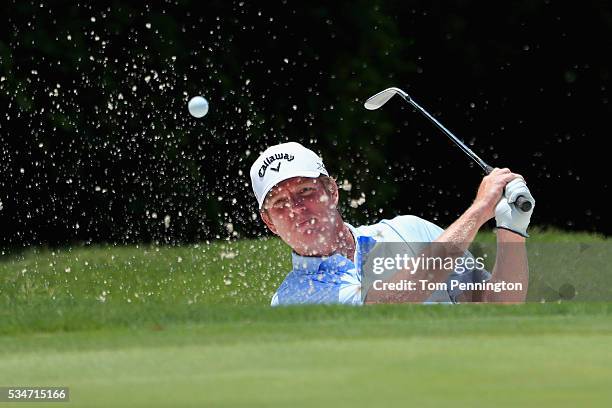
(280, 204)
(306, 190)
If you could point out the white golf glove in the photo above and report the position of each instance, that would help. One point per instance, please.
(507, 215)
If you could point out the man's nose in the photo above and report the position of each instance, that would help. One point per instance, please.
(296, 203)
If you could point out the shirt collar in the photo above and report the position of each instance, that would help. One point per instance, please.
(312, 263)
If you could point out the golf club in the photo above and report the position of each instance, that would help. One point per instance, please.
(378, 100)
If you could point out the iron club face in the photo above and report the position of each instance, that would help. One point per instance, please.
(378, 100)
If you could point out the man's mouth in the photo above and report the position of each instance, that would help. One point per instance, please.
(305, 223)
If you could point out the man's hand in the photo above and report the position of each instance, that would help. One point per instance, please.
(491, 191)
(507, 215)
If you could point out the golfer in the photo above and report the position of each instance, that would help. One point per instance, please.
(298, 201)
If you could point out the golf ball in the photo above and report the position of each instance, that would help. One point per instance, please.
(198, 106)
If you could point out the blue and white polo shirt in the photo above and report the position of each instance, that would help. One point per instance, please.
(337, 279)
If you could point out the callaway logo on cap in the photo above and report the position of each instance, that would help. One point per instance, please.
(282, 162)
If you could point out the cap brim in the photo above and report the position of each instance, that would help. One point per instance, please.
(313, 174)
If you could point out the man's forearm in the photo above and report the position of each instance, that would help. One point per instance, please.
(462, 232)
(511, 266)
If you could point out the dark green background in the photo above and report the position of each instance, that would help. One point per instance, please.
(115, 151)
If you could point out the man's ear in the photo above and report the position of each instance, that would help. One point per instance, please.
(268, 221)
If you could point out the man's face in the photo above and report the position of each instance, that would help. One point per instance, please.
(302, 211)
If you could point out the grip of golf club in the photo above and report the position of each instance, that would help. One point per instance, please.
(523, 204)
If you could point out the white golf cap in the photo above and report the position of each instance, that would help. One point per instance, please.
(282, 162)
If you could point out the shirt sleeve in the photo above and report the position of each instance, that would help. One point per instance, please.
(418, 229)
(425, 231)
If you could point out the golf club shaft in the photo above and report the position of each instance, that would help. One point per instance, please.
(450, 135)
(521, 202)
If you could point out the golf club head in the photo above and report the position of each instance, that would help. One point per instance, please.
(378, 100)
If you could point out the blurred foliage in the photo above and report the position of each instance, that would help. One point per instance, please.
(97, 144)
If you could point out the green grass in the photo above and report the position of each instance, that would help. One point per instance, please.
(152, 326)
(476, 355)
